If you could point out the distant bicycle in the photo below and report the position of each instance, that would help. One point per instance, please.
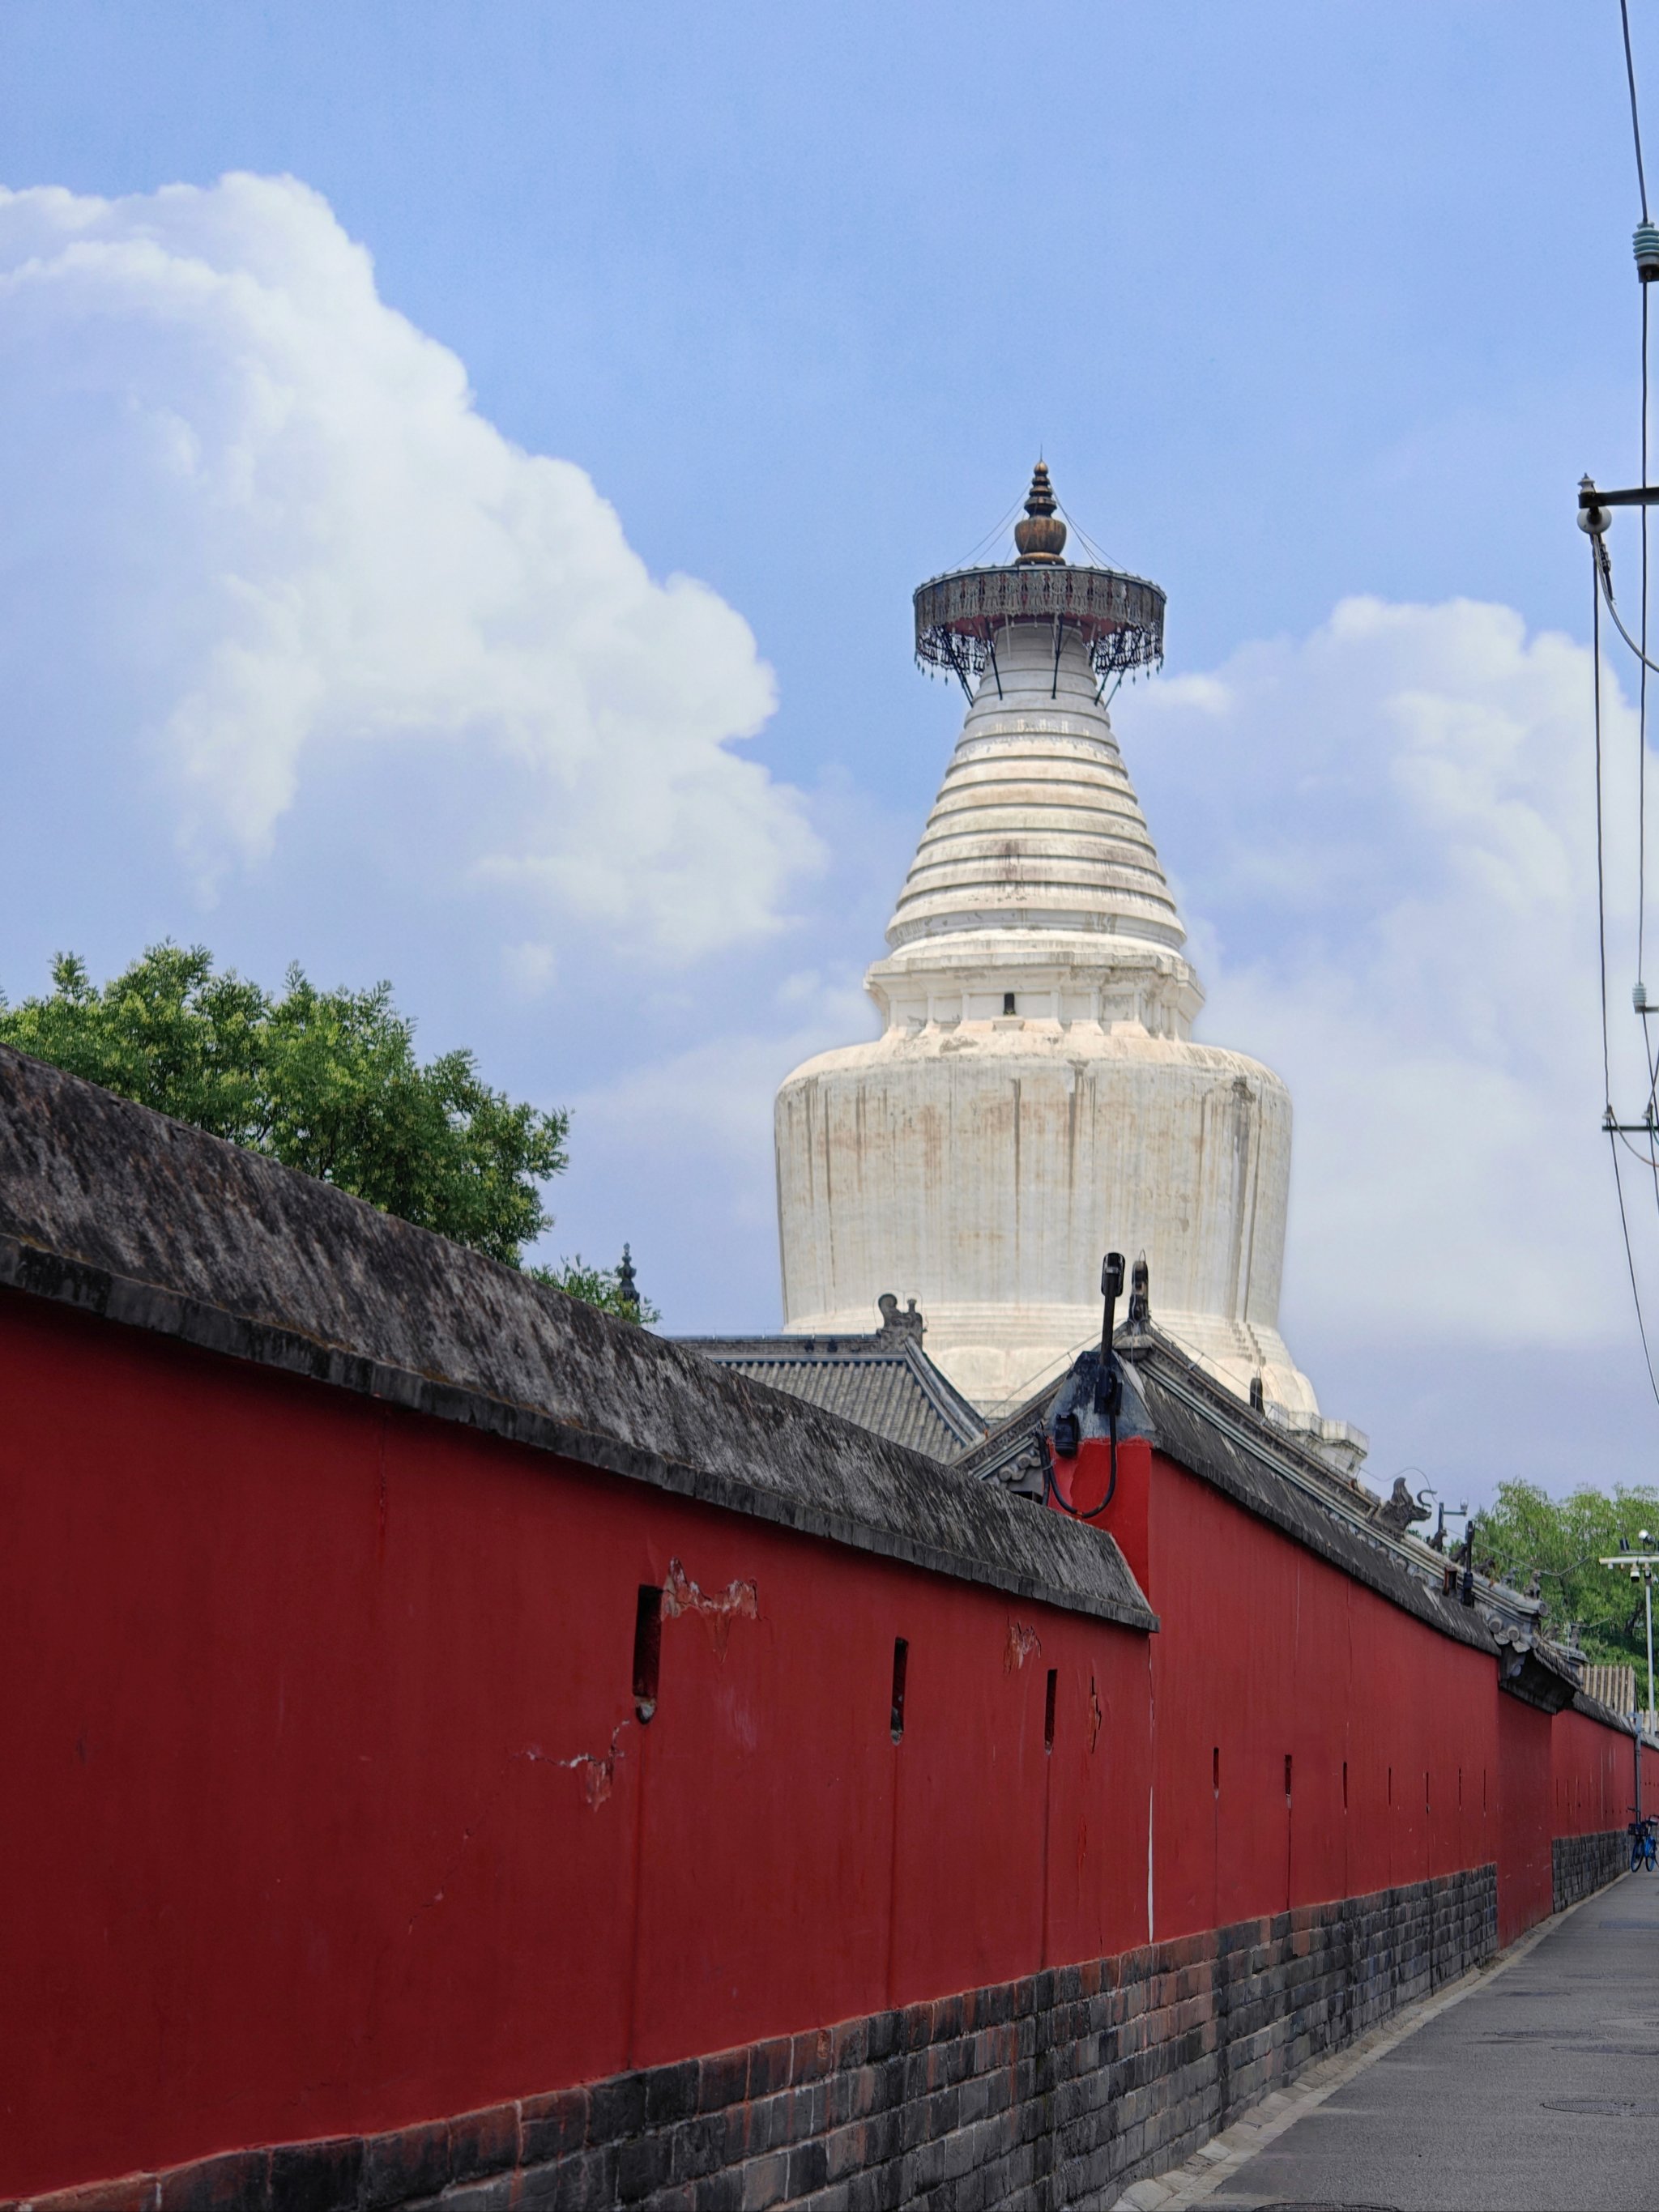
(1644, 1844)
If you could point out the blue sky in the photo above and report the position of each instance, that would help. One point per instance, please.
(1306, 304)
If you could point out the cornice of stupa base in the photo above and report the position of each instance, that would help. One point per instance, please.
(1161, 1069)
(1058, 977)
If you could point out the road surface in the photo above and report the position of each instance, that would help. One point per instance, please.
(1539, 2092)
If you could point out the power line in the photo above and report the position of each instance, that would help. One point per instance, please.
(1604, 569)
(1630, 1262)
(1642, 692)
(1601, 864)
(1635, 119)
(1602, 943)
(1603, 566)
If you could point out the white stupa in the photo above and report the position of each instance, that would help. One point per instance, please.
(1034, 1096)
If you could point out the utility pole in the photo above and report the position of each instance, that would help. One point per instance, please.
(1639, 1566)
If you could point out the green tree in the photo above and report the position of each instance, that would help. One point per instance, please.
(1562, 1542)
(325, 1081)
(610, 1289)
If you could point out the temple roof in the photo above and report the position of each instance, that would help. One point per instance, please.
(885, 1382)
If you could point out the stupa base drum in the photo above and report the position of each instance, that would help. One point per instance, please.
(1035, 1096)
(989, 1161)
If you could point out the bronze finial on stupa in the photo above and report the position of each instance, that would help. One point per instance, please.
(1117, 618)
(1041, 535)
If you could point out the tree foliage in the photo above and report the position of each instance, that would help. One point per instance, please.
(324, 1081)
(603, 1287)
(1562, 1542)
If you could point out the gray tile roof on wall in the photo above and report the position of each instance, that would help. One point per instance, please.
(1185, 1413)
(116, 1212)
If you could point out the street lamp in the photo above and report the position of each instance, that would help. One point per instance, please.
(1639, 1566)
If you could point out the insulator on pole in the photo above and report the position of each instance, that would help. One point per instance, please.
(1646, 244)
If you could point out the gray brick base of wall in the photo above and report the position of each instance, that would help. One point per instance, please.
(1057, 2090)
(1580, 1865)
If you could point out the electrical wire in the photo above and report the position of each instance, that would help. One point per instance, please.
(1613, 1135)
(1604, 573)
(1605, 566)
(1630, 1262)
(1643, 662)
(1635, 119)
(1642, 692)
(1597, 587)
(1600, 866)
(1601, 942)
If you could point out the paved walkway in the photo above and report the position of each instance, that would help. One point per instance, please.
(1531, 2087)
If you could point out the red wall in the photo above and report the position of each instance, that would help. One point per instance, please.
(1267, 1653)
(1406, 1760)
(1594, 1777)
(296, 1687)
(336, 1814)
(1526, 1888)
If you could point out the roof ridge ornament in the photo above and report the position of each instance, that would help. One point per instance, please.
(895, 1323)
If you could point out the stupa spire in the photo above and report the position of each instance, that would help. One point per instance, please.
(1036, 825)
(1041, 535)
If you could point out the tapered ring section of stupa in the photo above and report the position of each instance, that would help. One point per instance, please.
(1035, 1095)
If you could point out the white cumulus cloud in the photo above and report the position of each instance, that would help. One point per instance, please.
(1385, 836)
(269, 511)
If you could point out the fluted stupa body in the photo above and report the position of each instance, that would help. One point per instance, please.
(1034, 1096)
